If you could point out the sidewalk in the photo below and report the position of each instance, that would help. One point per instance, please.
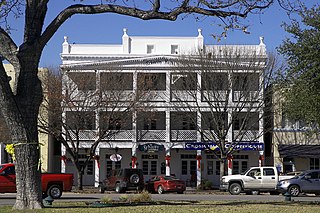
(189, 190)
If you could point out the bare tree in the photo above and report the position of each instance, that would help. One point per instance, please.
(20, 107)
(220, 94)
(89, 109)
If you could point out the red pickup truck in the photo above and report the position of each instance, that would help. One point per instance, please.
(52, 184)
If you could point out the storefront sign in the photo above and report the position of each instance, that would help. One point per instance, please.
(213, 146)
(150, 147)
(115, 157)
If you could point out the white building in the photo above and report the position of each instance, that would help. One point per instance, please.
(148, 142)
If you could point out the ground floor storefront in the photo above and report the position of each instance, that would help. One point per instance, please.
(193, 165)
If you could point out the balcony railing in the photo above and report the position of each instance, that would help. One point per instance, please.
(215, 96)
(186, 135)
(146, 135)
(157, 96)
(180, 95)
(245, 135)
(111, 135)
(246, 96)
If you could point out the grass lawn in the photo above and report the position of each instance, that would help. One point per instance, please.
(182, 206)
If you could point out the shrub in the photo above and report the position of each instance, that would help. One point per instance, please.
(144, 196)
(123, 198)
(106, 199)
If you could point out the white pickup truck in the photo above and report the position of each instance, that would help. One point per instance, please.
(255, 179)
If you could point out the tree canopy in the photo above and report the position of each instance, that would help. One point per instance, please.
(302, 52)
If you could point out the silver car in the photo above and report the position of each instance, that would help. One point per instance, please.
(305, 182)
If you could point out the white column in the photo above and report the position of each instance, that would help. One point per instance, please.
(63, 163)
(168, 162)
(97, 168)
(199, 169)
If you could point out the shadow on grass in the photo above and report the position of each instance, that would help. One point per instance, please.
(99, 204)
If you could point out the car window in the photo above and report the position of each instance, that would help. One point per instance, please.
(9, 171)
(254, 172)
(268, 172)
(314, 175)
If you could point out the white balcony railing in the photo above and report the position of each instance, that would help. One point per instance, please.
(180, 95)
(246, 96)
(151, 135)
(112, 135)
(245, 135)
(178, 135)
(216, 96)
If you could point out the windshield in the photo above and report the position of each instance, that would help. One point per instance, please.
(1, 167)
(299, 175)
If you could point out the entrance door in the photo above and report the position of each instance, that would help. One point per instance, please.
(88, 175)
(149, 166)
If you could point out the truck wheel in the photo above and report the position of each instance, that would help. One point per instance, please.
(101, 188)
(54, 191)
(134, 179)
(294, 190)
(235, 189)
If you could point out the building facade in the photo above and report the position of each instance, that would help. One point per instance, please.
(295, 144)
(46, 148)
(167, 133)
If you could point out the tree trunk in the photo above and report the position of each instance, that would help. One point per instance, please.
(20, 112)
(79, 180)
(28, 173)
(222, 166)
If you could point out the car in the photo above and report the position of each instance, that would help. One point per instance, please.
(162, 184)
(122, 180)
(306, 182)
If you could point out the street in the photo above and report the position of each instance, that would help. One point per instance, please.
(9, 198)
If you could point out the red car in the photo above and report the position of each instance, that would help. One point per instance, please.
(161, 184)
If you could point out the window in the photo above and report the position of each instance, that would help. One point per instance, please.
(246, 82)
(184, 81)
(116, 81)
(235, 169)
(150, 48)
(314, 163)
(214, 81)
(174, 49)
(210, 167)
(184, 167)
(217, 167)
(84, 81)
(151, 121)
(246, 121)
(81, 120)
(151, 81)
(183, 121)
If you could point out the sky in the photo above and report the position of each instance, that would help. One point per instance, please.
(108, 29)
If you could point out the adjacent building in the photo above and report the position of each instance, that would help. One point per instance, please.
(46, 148)
(295, 144)
(163, 136)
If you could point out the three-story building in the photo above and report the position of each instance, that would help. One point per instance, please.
(169, 129)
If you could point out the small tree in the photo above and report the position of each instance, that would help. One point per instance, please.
(222, 93)
(82, 103)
